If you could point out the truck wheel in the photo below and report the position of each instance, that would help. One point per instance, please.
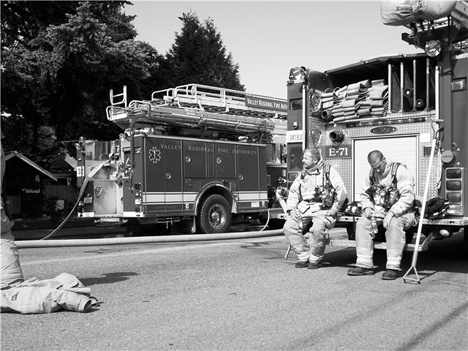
(215, 215)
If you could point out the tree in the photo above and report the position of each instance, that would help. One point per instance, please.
(58, 65)
(23, 20)
(60, 58)
(198, 55)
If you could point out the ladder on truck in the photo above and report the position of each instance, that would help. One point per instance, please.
(199, 106)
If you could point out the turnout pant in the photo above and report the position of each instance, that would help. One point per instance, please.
(11, 272)
(394, 235)
(313, 249)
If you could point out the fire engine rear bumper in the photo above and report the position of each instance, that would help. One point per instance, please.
(459, 221)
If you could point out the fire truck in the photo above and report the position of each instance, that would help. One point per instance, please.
(193, 157)
(414, 108)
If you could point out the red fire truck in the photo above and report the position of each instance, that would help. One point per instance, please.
(414, 108)
(196, 156)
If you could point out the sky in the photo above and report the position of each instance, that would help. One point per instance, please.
(268, 38)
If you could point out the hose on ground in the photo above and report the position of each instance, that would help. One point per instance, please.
(146, 240)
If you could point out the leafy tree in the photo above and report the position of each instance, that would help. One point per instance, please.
(198, 55)
(23, 20)
(60, 58)
(58, 65)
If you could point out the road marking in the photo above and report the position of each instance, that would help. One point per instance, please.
(135, 252)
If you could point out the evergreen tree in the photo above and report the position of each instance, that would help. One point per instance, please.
(60, 58)
(198, 55)
(59, 61)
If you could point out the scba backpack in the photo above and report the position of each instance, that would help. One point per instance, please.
(391, 194)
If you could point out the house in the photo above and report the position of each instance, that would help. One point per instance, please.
(64, 191)
(24, 184)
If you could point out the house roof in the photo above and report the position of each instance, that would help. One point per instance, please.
(61, 165)
(23, 158)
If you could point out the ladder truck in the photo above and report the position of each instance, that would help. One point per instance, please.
(414, 108)
(194, 157)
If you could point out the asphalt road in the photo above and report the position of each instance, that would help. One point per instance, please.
(243, 295)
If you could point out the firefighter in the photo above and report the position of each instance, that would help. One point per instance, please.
(314, 200)
(388, 201)
(11, 273)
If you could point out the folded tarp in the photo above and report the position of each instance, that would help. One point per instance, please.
(337, 114)
(364, 103)
(340, 90)
(402, 12)
(364, 112)
(328, 95)
(377, 82)
(378, 102)
(349, 103)
(378, 92)
(365, 83)
(352, 92)
(327, 99)
(344, 118)
(378, 109)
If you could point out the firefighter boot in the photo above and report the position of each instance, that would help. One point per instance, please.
(313, 265)
(390, 274)
(301, 264)
(360, 271)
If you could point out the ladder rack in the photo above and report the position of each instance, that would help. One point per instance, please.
(201, 107)
(221, 100)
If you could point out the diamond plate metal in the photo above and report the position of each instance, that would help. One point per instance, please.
(406, 124)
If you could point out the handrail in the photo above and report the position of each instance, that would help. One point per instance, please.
(197, 105)
(209, 97)
(168, 96)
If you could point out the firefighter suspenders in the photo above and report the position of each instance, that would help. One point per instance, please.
(394, 168)
(325, 176)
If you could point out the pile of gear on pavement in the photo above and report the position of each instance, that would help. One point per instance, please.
(34, 296)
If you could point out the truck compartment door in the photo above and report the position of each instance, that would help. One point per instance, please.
(252, 177)
(403, 149)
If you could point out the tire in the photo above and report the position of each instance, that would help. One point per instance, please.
(215, 215)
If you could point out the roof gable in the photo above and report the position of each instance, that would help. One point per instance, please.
(23, 158)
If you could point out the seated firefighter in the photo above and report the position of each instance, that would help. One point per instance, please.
(315, 197)
(388, 201)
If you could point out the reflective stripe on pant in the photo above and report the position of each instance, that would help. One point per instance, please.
(395, 237)
(314, 249)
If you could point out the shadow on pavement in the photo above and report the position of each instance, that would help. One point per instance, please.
(108, 278)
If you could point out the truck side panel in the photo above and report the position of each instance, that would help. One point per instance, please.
(459, 89)
(252, 187)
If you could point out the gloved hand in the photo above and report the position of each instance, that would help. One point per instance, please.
(294, 214)
(329, 219)
(367, 212)
(387, 219)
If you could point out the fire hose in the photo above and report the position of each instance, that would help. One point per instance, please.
(136, 240)
(146, 240)
(82, 189)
